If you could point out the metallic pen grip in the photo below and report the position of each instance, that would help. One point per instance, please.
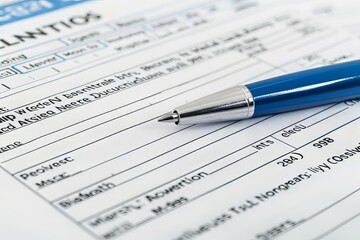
(230, 104)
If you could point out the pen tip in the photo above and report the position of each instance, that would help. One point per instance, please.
(169, 118)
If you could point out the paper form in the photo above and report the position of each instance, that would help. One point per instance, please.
(336, 13)
(82, 156)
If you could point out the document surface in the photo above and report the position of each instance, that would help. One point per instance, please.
(83, 157)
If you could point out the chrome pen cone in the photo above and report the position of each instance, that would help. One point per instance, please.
(169, 118)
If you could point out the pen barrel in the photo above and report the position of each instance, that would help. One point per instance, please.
(307, 88)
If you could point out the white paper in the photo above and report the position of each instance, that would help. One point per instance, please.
(83, 157)
(342, 14)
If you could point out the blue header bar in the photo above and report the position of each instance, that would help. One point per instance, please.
(24, 9)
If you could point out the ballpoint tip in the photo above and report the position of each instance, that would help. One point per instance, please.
(169, 118)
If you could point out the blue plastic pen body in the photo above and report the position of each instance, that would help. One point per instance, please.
(307, 88)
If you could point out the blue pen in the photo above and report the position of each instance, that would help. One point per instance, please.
(305, 89)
